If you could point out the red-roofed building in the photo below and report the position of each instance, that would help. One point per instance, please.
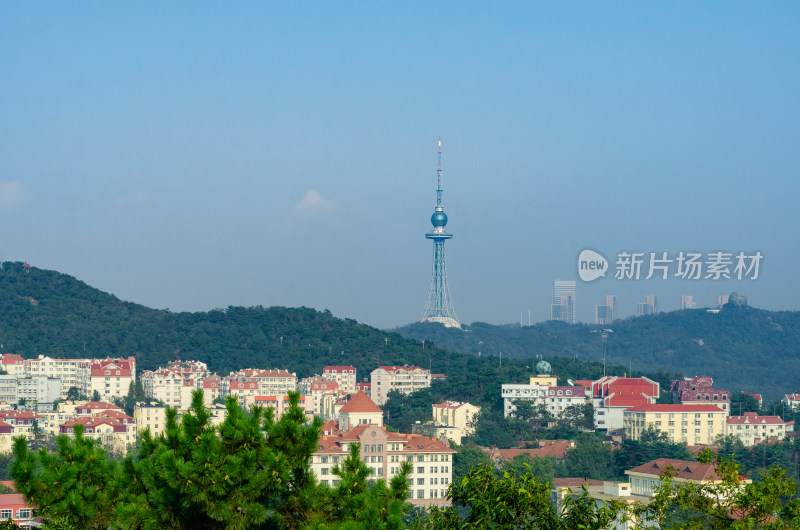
(95, 407)
(13, 506)
(556, 449)
(646, 477)
(359, 410)
(792, 400)
(175, 383)
(690, 424)
(315, 389)
(364, 387)
(111, 377)
(404, 379)
(344, 375)
(384, 452)
(453, 419)
(115, 430)
(612, 395)
(71, 372)
(753, 429)
(699, 390)
(12, 363)
(214, 387)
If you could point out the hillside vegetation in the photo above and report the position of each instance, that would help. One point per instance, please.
(743, 348)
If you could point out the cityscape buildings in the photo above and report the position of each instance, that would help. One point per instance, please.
(564, 301)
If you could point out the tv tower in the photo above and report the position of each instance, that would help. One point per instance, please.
(439, 307)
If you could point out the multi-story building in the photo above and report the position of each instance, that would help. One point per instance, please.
(453, 420)
(12, 364)
(792, 401)
(649, 307)
(753, 429)
(384, 452)
(612, 395)
(115, 433)
(245, 390)
(344, 375)
(315, 388)
(38, 389)
(175, 383)
(404, 379)
(564, 304)
(687, 302)
(280, 404)
(72, 372)
(690, 424)
(699, 390)
(14, 507)
(150, 416)
(214, 387)
(364, 387)
(270, 382)
(8, 389)
(606, 313)
(111, 377)
(535, 390)
(22, 421)
(645, 478)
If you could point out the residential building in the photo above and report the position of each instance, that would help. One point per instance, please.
(13, 506)
(453, 419)
(404, 379)
(344, 375)
(645, 478)
(792, 400)
(115, 431)
(558, 398)
(273, 382)
(8, 389)
(690, 424)
(364, 387)
(72, 372)
(150, 416)
(612, 395)
(535, 390)
(280, 404)
(214, 387)
(699, 390)
(753, 429)
(564, 304)
(314, 388)
(174, 383)
(111, 377)
(38, 389)
(12, 364)
(384, 452)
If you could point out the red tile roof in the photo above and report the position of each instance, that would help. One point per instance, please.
(752, 418)
(359, 402)
(685, 469)
(339, 369)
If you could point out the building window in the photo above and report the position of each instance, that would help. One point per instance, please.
(6, 514)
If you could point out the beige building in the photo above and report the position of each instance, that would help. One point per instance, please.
(111, 377)
(72, 372)
(452, 420)
(753, 429)
(690, 424)
(384, 452)
(270, 382)
(315, 388)
(175, 383)
(404, 379)
(344, 375)
(150, 416)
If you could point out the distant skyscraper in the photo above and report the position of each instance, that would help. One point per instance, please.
(649, 307)
(439, 307)
(564, 301)
(722, 300)
(687, 302)
(606, 313)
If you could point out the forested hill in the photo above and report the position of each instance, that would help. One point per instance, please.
(743, 348)
(45, 312)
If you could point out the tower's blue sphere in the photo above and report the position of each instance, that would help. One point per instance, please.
(439, 219)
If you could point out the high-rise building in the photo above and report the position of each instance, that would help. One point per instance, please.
(649, 307)
(722, 300)
(564, 302)
(606, 313)
(439, 307)
(687, 302)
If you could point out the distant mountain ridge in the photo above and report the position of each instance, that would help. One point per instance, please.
(742, 348)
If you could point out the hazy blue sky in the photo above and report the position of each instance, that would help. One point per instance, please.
(193, 155)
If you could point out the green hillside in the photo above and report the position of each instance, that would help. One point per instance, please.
(743, 348)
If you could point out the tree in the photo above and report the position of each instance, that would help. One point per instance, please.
(515, 501)
(74, 394)
(590, 458)
(96, 396)
(732, 502)
(543, 469)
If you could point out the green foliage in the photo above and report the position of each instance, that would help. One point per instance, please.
(741, 347)
(249, 472)
(652, 444)
(590, 458)
(732, 502)
(515, 501)
(544, 469)
(467, 457)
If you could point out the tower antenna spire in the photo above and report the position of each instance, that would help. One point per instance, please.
(439, 307)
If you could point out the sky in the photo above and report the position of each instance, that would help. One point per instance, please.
(191, 156)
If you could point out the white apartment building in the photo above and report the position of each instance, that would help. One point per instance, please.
(175, 383)
(753, 429)
(111, 377)
(38, 389)
(72, 372)
(405, 379)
